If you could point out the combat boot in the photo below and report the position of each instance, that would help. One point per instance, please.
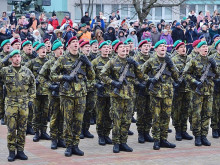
(141, 138)
(54, 144)
(21, 155)
(156, 145)
(133, 120)
(169, 130)
(11, 156)
(68, 151)
(30, 130)
(166, 144)
(148, 138)
(92, 121)
(101, 141)
(130, 132)
(178, 136)
(81, 135)
(77, 151)
(186, 136)
(215, 133)
(107, 140)
(198, 141)
(88, 134)
(116, 148)
(61, 143)
(205, 141)
(45, 136)
(125, 147)
(3, 121)
(36, 137)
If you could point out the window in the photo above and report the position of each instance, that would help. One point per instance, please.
(133, 13)
(158, 13)
(192, 7)
(182, 11)
(149, 16)
(124, 11)
(115, 8)
(201, 8)
(99, 8)
(168, 13)
(210, 8)
(90, 9)
(78, 15)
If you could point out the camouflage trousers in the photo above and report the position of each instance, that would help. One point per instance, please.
(144, 115)
(30, 115)
(103, 120)
(16, 114)
(202, 110)
(215, 119)
(57, 117)
(161, 111)
(121, 114)
(73, 109)
(90, 106)
(41, 110)
(182, 103)
(2, 108)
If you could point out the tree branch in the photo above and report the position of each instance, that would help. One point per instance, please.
(168, 5)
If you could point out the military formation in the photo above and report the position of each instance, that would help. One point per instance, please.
(70, 85)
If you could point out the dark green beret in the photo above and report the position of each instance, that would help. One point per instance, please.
(216, 44)
(159, 43)
(26, 43)
(115, 42)
(92, 42)
(14, 52)
(36, 43)
(57, 45)
(56, 41)
(82, 25)
(102, 44)
(5, 42)
(148, 40)
(201, 43)
(176, 43)
(126, 43)
(40, 45)
(129, 40)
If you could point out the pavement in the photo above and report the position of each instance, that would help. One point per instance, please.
(39, 153)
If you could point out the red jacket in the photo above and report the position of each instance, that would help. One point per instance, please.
(64, 21)
(54, 22)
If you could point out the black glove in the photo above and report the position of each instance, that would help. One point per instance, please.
(131, 61)
(198, 84)
(141, 86)
(168, 61)
(5, 59)
(54, 87)
(152, 80)
(68, 78)
(99, 86)
(85, 60)
(116, 84)
(30, 105)
(37, 82)
(212, 62)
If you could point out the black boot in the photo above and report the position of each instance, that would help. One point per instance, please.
(215, 133)
(116, 148)
(53, 144)
(156, 145)
(186, 136)
(11, 156)
(30, 130)
(141, 138)
(21, 155)
(81, 135)
(36, 137)
(102, 141)
(148, 138)
(198, 141)
(169, 130)
(125, 147)
(133, 120)
(178, 136)
(166, 144)
(68, 151)
(45, 136)
(130, 132)
(3, 121)
(92, 121)
(77, 151)
(61, 143)
(108, 140)
(88, 134)
(205, 141)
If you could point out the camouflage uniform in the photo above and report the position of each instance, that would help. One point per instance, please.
(72, 97)
(122, 105)
(20, 87)
(41, 102)
(103, 120)
(161, 97)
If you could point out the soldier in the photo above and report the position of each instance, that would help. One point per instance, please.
(215, 119)
(72, 92)
(35, 44)
(131, 44)
(111, 49)
(56, 124)
(27, 54)
(182, 95)
(202, 97)
(162, 72)
(20, 86)
(48, 48)
(144, 116)
(122, 97)
(212, 49)
(16, 44)
(41, 102)
(103, 120)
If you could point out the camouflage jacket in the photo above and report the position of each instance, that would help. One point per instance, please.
(26, 58)
(217, 59)
(35, 66)
(64, 66)
(49, 55)
(163, 88)
(19, 84)
(192, 55)
(112, 71)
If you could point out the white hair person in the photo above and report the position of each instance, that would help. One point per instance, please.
(37, 36)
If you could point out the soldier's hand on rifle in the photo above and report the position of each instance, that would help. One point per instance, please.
(68, 78)
(85, 60)
(5, 59)
(116, 84)
(212, 62)
(99, 86)
(198, 84)
(131, 61)
(141, 86)
(168, 61)
(54, 87)
(152, 80)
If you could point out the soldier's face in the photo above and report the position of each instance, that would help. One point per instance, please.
(58, 52)
(181, 50)
(203, 50)
(42, 52)
(74, 45)
(216, 39)
(95, 47)
(17, 46)
(127, 47)
(121, 51)
(109, 49)
(131, 45)
(145, 49)
(161, 50)
(6, 47)
(86, 49)
(48, 45)
(28, 49)
(16, 60)
(105, 50)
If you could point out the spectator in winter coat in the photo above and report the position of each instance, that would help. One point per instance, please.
(200, 17)
(42, 18)
(114, 17)
(4, 35)
(146, 35)
(101, 24)
(59, 35)
(132, 35)
(192, 16)
(69, 33)
(85, 18)
(110, 34)
(206, 34)
(98, 35)
(177, 33)
(191, 35)
(54, 21)
(213, 30)
(83, 33)
(42, 29)
(155, 35)
(50, 34)
(13, 19)
(25, 35)
(162, 21)
(121, 36)
(33, 22)
(67, 20)
(159, 27)
(140, 31)
(166, 36)
(37, 36)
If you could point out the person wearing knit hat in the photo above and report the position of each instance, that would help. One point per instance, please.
(16, 44)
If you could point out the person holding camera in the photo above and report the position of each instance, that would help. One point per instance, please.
(67, 20)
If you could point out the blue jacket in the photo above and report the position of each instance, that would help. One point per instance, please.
(102, 24)
(191, 36)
